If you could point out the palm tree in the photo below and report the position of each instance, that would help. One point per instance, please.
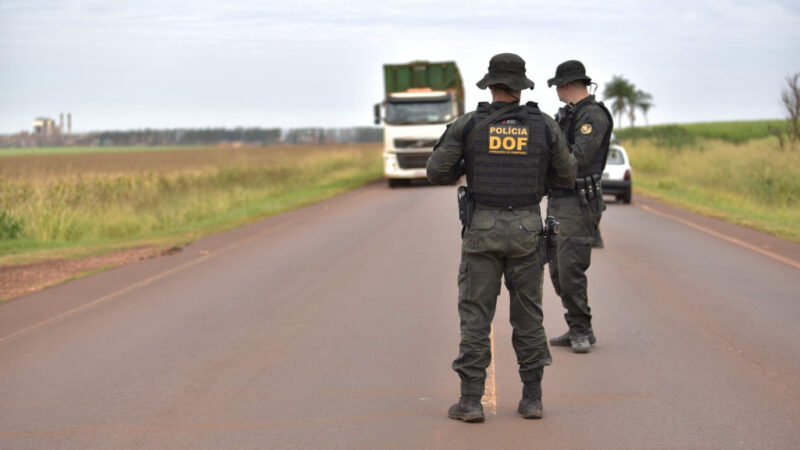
(643, 102)
(620, 91)
(625, 98)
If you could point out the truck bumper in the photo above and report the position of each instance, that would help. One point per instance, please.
(406, 165)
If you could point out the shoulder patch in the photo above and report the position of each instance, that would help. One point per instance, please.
(586, 128)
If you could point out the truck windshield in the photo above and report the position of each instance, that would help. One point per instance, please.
(419, 112)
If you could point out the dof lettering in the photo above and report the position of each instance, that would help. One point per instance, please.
(509, 143)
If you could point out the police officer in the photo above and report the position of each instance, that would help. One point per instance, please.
(506, 150)
(587, 125)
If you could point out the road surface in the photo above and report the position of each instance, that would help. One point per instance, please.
(334, 326)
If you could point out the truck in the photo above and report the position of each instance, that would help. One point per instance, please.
(421, 98)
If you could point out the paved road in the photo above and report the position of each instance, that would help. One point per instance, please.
(334, 327)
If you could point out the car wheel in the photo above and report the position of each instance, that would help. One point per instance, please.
(393, 182)
(627, 196)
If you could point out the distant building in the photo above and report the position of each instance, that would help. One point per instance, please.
(45, 126)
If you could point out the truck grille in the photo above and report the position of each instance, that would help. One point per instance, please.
(412, 160)
(414, 143)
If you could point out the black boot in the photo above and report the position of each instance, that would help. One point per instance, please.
(592, 339)
(531, 404)
(561, 341)
(598, 240)
(565, 340)
(468, 409)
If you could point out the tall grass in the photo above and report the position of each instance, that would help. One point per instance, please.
(96, 207)
(42, 151)
(751, 183)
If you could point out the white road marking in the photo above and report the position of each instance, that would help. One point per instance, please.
(102, 299)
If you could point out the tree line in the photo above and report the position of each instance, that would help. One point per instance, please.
(201, 136)
(252, 136)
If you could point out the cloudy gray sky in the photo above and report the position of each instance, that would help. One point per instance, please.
(179, 63)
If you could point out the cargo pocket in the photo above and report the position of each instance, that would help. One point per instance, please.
(531, 223)
(528, 235)
(480, 231)
(482, 222)
(577, 255)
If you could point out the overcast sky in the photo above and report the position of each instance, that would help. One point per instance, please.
(205, 63)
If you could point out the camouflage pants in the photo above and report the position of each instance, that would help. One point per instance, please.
(500, 243)
(579, 226)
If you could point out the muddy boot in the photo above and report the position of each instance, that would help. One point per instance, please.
(468, 409)
(580, 343)
(531, 404)
(565, 340)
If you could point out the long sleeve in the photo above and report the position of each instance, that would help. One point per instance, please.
(445, 165)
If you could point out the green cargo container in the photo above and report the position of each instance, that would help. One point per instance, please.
(439, 76)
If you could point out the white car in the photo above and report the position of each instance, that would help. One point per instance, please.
(617, 176)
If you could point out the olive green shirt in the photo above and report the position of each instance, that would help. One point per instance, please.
(589, 128)
(445, 165)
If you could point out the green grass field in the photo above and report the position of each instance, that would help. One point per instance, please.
(79, 204)
(729, 170)
(682, 135)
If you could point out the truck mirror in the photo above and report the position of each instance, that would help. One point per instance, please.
(377, 113)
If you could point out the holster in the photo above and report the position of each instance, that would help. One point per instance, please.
(550, 238)
(466, 207)
(592, 203)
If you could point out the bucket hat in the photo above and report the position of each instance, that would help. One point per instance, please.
(567, 72)
(507, 69)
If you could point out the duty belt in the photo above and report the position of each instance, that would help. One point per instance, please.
(533, 208)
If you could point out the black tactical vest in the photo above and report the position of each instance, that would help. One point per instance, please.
(598, 163)
(507, 160)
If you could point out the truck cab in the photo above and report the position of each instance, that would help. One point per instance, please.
(416, 116)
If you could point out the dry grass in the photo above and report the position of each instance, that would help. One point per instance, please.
(70, 204)
(752, 184)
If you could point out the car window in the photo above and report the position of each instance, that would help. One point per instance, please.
(615, 157)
